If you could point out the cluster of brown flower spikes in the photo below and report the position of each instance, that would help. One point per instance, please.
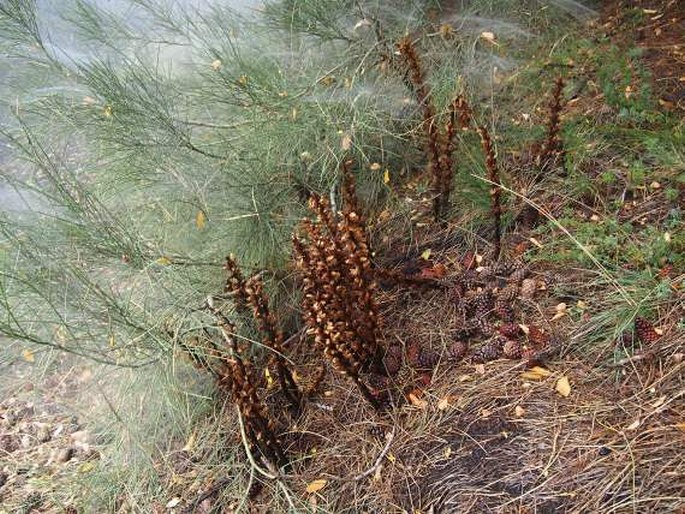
(439, 144)
(249, 295)
(235, 374)
(333, 256)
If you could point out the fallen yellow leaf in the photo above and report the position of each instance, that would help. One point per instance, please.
(164, 261)
(316, 485)
(269, 378)
(536, 373)
(28, 355)
(346, 142)
(426, 254)
(200, 220)
(563, 386)
(417, 401)
(443, 404)
(386, 176)
(190, 443)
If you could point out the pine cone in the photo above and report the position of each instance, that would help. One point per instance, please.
(518, 274)
(486, 273)
(490, 351)
(512, 350)
(537, 337)
(505, 311)
(508, 293)
(403, 376)
(529, 354)
(486, 326)
(645, 331)
(413, 352)
(377, 431)
(428, 359)
(393, 360)
(528, 289)
(550, 279)
(504, 268)
(510, 330)
(482, 303)
(457, 350)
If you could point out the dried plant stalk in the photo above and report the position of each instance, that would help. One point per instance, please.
(237, 376)
(495, 191)
(552, 148)
(338, 287)
(435, 144)
(249, 294)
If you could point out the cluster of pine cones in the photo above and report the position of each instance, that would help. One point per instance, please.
(488, 302)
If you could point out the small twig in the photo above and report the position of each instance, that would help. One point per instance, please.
(213, 490)
(272, 473)
(377, 463)
(294, 336)
(633, 358)
(246, 445)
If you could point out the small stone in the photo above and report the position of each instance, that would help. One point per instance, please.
(64, 455)
(43, 434)
(8, 443)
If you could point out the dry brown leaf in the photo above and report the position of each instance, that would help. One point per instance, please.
(173, 502)
(536, 373)
(659, 402)
(190, 444)
(560, 311)
(316, 485)
(443, 404)
(634, 424)
(563, 386)
(519, 411)
(416, 400)
(346, 142)
(536, 242)
(489, 37)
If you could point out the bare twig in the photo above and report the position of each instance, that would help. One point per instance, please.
(377, 463)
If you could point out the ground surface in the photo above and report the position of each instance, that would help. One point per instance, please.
(589, 420)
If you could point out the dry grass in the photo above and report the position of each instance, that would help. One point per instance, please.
(482, 437)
